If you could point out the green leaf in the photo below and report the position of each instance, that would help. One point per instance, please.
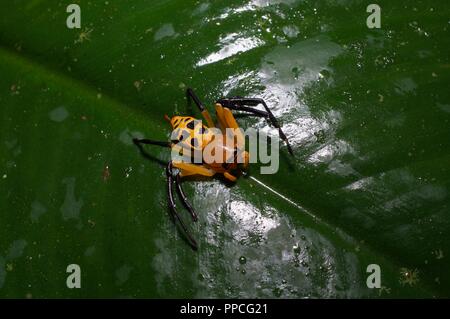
(366, 110)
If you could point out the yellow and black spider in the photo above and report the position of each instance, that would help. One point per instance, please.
(194, 135)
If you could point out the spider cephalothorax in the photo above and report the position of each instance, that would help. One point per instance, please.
(205, 150)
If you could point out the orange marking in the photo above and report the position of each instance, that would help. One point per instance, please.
(221, 117)
(229, 176)
(192, 169)
(231, 123)
(208, 118)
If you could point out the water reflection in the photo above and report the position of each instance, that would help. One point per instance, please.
(252, 249)
(254, 5)
(251, 222)
(230, 45)
(285, 73)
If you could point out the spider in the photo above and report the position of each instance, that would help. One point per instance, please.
(192, 135)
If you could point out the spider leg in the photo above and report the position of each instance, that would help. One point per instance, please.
(151, 142)
(239, 104)
(173, 209)
(230, 177)
(193, 169)
(227, 120)
(191, 95)
(221, 117)
(184, 199)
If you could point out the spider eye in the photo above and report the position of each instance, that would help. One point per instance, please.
(190, 125)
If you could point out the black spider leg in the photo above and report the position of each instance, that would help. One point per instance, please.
(239, 104)
(146, 155)
(150, 142)
(184, 199)
(191, 95)
(173, 209)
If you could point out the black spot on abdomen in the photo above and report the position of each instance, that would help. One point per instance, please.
(190, 125)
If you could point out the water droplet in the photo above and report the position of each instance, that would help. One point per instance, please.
(128, 171)
(242, 260)
(295, 71)
(324, 74)
(59, 114)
